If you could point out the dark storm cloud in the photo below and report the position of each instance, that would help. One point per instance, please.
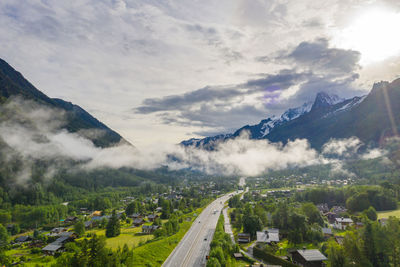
(319, 56)
(268, 84)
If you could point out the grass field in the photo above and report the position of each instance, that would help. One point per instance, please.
(31, 259)
(129, 236)
(156, 252)
(387, 214)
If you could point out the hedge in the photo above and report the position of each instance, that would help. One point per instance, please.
(272, 259)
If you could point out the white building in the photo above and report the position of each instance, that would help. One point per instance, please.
(268, 236)
(342, 223)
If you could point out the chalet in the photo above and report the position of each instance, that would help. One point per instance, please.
(327, 232)
(84, 210)
(23, 239)
(308, 257)
(58, 230)
(268, 236)
(136, 216)
(148, 229)
(331, 216)
(68, 234)
(52, 248)
(100, 218)
(152, 217)
(342, 223)
(238, 255)
(89, 224)
(96, 213)
(339, 239)
(323, 208)
(243, 238)
(138, 222)
(71, 219)
(338, 209)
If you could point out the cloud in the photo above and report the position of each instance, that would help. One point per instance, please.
(309, 67)
(32, 132)
(319, 57)
(342, 147)
(225, 107)
(113, 55)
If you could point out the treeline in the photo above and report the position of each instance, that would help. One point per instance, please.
(93, 252)
(222, 247)
(355, 198)
(299, 222)
(376, 244)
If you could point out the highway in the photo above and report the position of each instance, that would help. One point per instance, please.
(195, 245)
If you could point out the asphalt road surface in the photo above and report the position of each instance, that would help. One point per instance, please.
(195, 245)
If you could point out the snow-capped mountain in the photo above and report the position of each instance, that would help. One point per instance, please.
(325, 100)
(273, 128)
(262, 129)
(288, 115)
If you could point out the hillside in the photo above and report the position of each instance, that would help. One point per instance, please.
(13, 84)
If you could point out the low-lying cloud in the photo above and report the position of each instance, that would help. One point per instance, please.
(34, 132)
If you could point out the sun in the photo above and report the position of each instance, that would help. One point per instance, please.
(374, 33)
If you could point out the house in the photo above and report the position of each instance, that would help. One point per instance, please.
(158, 209)
(68, 234)
(238, 255)
(342, 223)
(323, 208)
(243, 238)
(152, 217)
(96, 213)
(268, 236)
(327, 232)
(339, 239)
(338, 209)
(148, 229)
(331, 217)
(71, 219)
(58, 230)
(52, 248)
(89, 224)
(308, 257)
(138, 222)
(136, 215)
(22, 239)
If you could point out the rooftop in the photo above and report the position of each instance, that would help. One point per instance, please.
(312, 254)
(345, 220)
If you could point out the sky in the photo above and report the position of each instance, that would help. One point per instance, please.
(164, 71)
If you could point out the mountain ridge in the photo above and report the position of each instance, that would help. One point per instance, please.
(328, 117)
(13, 83)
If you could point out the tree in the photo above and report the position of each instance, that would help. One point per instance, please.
(252, 224)
(132, 208)
(312, 213)
(369, 243)
(371, 213)
(4, 238)
(336, 255)
(213, 262)
(218, 253)
(79, 228)
(113, 227)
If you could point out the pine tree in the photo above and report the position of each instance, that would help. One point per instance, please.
(113, 226)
